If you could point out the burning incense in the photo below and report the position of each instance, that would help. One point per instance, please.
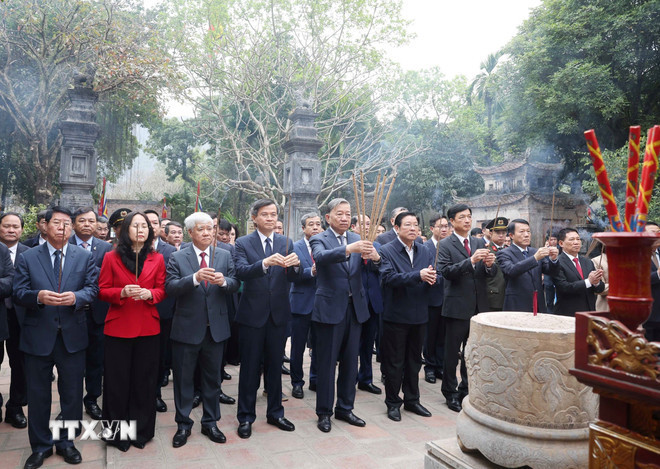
(603, 180)
(137, 252)
(387, 198)
(649, 170)
(373, 208)
(288, 220)
(552, 213)
(632, 176)
(363, 222)
(357, 201)
(59, 280)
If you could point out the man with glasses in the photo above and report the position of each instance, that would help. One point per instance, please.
(577, 281)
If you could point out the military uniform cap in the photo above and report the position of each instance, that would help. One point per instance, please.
(118, 216)
(499, 223)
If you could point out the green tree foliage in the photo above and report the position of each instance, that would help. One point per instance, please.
(250, 63)
(44, 44)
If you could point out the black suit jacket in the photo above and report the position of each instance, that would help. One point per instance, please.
(466, 291)
(437, 291)
(99, 249)
(524, 277)
(390, 236)
(33, 241)
(572, 294)
(6, 281)
(405, 295)
(166, 307)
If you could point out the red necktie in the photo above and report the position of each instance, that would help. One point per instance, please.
(578, 267)
(203, 265)
(466, 243)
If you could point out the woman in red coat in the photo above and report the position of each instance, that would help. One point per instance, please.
(132, 328)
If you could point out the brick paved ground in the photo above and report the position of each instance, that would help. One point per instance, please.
(382, 443)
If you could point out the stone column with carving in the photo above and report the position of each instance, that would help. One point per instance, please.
(302, 170)
(78, 155)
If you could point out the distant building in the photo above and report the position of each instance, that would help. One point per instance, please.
(524, 189)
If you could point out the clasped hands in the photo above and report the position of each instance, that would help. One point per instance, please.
(428, 275)
(50, 298)
(208, 274)
(136, 292)
(365, 248)
(283, 261)
(595, 276)
(483, 254)
(546, 251)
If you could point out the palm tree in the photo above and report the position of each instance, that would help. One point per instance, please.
(484, 87)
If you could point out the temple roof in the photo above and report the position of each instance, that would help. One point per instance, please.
(493, 199)
(515, 163)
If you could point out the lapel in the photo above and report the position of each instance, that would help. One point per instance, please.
(458, 246)
(191, 255)
(44, 259)
(257, 246)
(69, 260)
(305, 258)
(569, 266)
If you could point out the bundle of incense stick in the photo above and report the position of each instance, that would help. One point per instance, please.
(378, 206)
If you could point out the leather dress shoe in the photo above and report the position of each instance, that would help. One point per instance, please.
(312, 387)
(418, 409)
(16, 419)
(93, 410)
(351, 418)
(37, 459)
(285, 370)
(165, 381)
(369, 387)
(197, 399)
(225, 376)
(70, 454)
(160, 405)
(138, 444)
(298, 392)
(244, 430)
(122, 446)
(180, 438)
(225, 399)
(282, 423)
(286, 359)
(324, 423)
(214, 434)
(393, 413)
(454, 404)
(429, 376)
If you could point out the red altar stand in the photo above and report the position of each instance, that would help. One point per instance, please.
(613, 357)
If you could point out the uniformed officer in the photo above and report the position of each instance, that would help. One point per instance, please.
(496, 284)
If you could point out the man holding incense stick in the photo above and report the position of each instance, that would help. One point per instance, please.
(340, 309)
(54, 282)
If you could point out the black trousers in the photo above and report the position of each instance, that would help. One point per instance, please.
(129, 382)
(336, 343)
(70, 369)
(457, 332)
(366, 352)
(434, 346)
(94, 360)
(18, 384)
(401, 360)
(207, 355)
(300, 325)
(260, 345)
(652, 331)
(165, 359)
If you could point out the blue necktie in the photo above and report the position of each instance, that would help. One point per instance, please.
(525, 254)
(268, 251)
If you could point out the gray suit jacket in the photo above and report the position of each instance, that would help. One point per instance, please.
(197, 306)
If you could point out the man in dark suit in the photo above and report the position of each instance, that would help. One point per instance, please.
(371, 284)
(84, 228)
(652, 324)
(497, 283)
(265, 262)
(301, 298)
(548, 284)
(40, 237)
(54, 282)
(199, 278)
(465, 264)
(577, 280)
(406, 272)
(523, 267)
(435, 329)
(6, 280)
(340, 308)
(11, 228)
(165, 312)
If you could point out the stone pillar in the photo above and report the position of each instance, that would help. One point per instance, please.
(302, 170)
(78, 155)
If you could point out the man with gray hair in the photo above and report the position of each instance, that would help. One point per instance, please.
(200, 277)
(340, 308)
(301, 298)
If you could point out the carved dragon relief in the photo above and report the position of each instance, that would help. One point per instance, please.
(614, 346)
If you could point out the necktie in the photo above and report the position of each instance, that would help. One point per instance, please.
(525, 253)
(578, 267)
(203, 265)
(84, 245)
(268, 251)
(466, 243)
(341, 240)
(56, 267)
